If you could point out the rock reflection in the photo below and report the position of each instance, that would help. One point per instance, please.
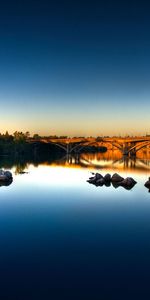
(6, 183)
(147, 184)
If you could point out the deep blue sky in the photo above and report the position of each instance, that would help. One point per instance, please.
(75, 67)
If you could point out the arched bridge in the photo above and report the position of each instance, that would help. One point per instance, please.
(127, 146)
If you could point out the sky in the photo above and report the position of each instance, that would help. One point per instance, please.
(75, 68)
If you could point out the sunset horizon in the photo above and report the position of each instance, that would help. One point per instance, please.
(64, 134)
(74, 69)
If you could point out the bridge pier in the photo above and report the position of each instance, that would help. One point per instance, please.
(133, 149)
(125, 151)
(71, 148)
(35, 151)
(73, 159)
(129, 150)
(68, 149)
(132, 153)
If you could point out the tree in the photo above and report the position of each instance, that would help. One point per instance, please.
(27, 134)
(36, 136)
(19, 137)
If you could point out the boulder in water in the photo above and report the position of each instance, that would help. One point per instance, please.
(116, 178)
(8, 174)
(95, 178)
(128, 183)
(98, 176)
(100, 182)
(5, 176)
(107, 177)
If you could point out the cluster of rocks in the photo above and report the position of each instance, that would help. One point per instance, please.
(116, 180)
(5, 177)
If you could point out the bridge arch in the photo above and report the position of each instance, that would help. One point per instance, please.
(138, 147)
(60, 146)
(98, 143)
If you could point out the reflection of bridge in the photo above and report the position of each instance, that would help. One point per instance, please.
(85, 160)
(127, 146)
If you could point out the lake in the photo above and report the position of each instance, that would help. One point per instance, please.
(59, 234)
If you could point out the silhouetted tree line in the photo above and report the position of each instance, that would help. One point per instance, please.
(13, 143)
(18, 143)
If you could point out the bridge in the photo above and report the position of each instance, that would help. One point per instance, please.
(127, 146)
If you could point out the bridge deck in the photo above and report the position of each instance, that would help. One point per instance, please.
(91, 139)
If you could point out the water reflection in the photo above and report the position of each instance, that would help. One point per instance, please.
(111, 160)
(6, 183)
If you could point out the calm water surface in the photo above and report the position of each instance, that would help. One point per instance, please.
(60, 234)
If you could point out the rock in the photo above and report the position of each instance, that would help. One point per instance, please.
(100, 182)
(5, 176)
(116, 178)
(107, 177)
(98, 176)
(128, 183)
(91, 180)
(95, 178)
(147, 183)
(8, 174)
